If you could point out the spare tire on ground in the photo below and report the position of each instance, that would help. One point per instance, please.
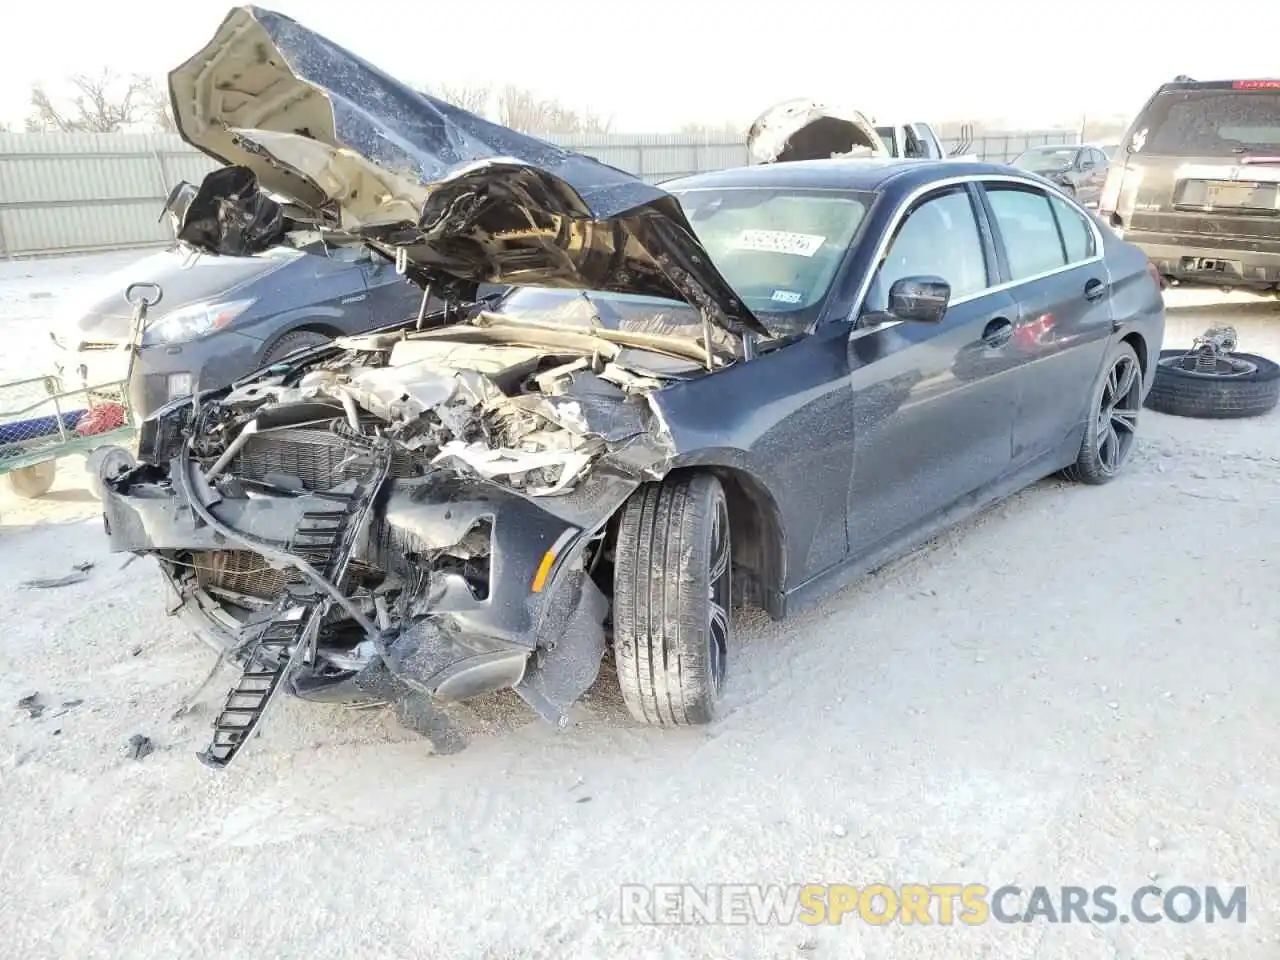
(1221, 387)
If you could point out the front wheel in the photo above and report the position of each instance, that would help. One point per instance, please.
(1113, 419)
(294, 340)
(671, 600)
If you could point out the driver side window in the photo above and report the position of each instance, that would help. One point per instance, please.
(939, 238)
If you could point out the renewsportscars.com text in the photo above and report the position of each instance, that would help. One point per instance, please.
(924, 904)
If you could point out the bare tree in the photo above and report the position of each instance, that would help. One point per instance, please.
(472, 99)
(714, 131)
(102, 103)
(522, 109)
(159, 110)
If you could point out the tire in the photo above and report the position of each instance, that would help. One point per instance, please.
(672, 621)
(106, 463)
(1184, 393)
(294, 340)
(1114, 405)
(30, 483)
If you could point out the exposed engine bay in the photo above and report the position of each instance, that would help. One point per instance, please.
(421, 514)
(409, 516)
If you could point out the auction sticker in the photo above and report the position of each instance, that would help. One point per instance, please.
(779, 241)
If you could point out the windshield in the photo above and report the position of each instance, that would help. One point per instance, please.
(778, 248)
(1046, 159)
(1210, 123)
(890, 138)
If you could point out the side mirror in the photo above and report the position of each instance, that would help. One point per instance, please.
(919, 299)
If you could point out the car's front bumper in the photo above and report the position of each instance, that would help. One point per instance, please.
(537, 627)
(162, 371)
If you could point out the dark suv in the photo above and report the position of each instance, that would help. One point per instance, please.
(1196, 183)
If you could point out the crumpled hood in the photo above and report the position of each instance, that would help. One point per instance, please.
(294, 115)
(807, 130)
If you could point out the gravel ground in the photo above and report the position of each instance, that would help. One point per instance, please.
(1076, 688)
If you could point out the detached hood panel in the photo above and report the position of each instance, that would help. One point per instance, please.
(295, 115)
(807, 130)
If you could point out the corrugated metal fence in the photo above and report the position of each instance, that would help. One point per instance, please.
(72, 193)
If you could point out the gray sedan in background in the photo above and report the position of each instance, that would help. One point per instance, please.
(1078, 169)
(223, 317)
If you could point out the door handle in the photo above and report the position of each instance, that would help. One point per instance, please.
(998, 332)
(1095, 290)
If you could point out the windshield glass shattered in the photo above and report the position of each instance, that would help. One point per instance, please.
(778, 248)
(1046, 160)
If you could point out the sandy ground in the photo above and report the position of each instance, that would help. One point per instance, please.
(1076, 688)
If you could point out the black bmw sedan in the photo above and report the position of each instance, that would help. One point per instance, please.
(754, 384)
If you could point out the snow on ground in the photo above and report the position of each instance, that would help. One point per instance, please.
(1078, 687)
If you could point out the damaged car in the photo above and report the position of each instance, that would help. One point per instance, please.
(748, 387)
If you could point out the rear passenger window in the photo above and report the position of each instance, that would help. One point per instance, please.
(1030, 232)
(1076, 235)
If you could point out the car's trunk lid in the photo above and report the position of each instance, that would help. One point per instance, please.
(459, 197)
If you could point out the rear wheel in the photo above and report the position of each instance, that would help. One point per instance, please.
(671, 601)
(28, 483)
(1113, 421)
(292, 341)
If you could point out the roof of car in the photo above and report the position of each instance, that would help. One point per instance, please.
(837, 174)
(1186, 83)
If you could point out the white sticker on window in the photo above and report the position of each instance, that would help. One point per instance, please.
(785, 296)
(779, 241)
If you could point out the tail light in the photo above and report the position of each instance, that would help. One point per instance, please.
(1155, 275)
(1110, 198)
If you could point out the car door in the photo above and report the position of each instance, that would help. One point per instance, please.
(933, 403)
(1051, 254)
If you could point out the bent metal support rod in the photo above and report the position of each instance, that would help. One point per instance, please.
(284, 643)
(271, 552)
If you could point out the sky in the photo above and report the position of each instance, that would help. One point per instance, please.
(654, 65)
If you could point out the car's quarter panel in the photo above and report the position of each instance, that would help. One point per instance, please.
(322, 289)
(786, 420)
(1137, 304)
(1052, 255)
